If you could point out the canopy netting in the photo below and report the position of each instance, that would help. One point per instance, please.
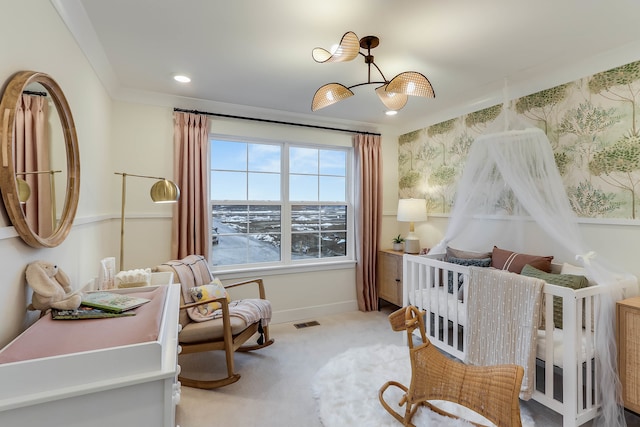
(511, 195)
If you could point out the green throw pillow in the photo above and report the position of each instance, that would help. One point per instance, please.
(567, 280)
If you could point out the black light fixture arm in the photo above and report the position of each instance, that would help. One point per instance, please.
(369, 42)
(366, 83)
(369, 82)
(379, 70)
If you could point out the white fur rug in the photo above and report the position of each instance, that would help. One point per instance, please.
(346, 391)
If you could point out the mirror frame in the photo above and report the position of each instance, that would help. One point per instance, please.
(8, 182)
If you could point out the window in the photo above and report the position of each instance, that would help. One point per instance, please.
(279, 203)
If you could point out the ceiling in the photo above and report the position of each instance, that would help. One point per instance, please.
(257, 54)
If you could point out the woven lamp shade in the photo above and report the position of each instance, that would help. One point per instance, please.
(391, 100)
(165, 191)
(329, 94)
(411, 83)
(346, 51)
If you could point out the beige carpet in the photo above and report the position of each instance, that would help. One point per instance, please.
(275, 388)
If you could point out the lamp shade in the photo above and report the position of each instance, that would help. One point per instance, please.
(412, 210)
(411, 83)
(391, 100)
(346, 51)
(329, 94)
(165, 191)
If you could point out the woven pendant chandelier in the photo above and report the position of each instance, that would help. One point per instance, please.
(393, 93)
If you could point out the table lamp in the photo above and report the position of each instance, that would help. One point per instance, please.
(412, 210)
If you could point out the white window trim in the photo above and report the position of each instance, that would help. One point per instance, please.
(287, 265)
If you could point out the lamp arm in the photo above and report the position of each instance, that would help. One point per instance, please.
(366, 83)
(368, 59)
(124, 198)
(38, 172)
(380, 71)
(138, 176)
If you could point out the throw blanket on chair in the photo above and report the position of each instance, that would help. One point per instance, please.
(249, 310)
(504, 310)
(193, 271)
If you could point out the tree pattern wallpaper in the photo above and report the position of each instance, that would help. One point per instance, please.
(591, 124)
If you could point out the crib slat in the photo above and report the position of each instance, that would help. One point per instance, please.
(549, 347)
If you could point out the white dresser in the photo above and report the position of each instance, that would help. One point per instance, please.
(120, 372)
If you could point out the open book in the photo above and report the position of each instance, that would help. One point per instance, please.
(111, 301)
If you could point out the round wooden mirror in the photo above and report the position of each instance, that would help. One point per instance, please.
(39, 159)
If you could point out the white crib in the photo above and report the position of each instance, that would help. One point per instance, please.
(565, 379)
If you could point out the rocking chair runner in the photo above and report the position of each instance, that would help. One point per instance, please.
(228, 333)
(491, 391)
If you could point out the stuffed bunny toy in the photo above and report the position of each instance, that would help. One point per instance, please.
(51, 288)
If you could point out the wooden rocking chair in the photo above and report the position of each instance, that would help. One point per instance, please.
(228, 333)
(491, 391)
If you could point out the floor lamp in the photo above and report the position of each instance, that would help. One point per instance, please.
(163, 191)
(412, 210)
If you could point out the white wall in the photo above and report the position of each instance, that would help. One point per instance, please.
(33, 37)
(143, 145)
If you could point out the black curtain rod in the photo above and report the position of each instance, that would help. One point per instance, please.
(31, 92)
(180, 110)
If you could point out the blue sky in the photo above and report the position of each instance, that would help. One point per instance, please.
(316, 174)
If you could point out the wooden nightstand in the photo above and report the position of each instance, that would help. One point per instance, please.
(628, 341)
(390, 276)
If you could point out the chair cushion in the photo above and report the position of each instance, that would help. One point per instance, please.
(215, 289)
(210, 330)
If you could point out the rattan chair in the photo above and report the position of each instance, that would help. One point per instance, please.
(228, 333)
(491, 391)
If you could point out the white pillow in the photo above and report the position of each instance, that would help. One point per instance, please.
(577, 271)
(572, 269)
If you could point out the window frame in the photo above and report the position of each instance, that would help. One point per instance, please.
(286, 262)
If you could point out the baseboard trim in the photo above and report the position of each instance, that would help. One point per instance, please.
(285, 316)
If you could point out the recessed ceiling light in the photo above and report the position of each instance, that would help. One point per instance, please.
(391, 112)
(182, 79)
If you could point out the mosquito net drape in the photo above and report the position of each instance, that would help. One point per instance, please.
(511, 195)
